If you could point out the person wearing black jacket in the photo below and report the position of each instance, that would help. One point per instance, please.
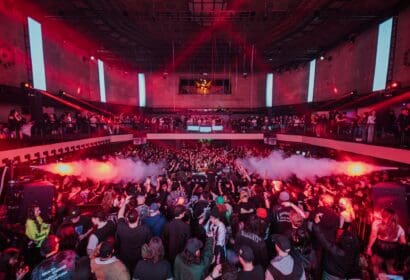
(341, 259)
(176, 233)
(131, 236)
(251, 236)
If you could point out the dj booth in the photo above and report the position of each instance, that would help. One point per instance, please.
(205, 128)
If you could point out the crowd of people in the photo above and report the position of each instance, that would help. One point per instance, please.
(205, 216)
(366, 127)
(21, 125)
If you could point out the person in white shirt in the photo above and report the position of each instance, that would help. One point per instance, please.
(371, 122)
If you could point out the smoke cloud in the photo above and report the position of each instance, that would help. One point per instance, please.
(279, 166)
(113, 170)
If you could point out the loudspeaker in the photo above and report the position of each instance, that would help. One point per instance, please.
(23, 195)
(391, 195)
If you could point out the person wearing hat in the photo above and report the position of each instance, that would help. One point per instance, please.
(284, 266)
(131, 236)
(106, 266)
(82, 224)
(104, 230)
(193, 263)
(249, 270)
(176, 233)
(155, 220)
(281, 223)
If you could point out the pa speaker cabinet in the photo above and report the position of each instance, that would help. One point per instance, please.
(40, 193)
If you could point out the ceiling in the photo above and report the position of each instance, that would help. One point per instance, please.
(215, 35)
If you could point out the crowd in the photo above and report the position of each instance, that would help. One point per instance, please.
(21, 125)
(387, 127)
(206, 217)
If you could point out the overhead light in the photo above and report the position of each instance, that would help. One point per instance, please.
(394, 85)
(322, 57)
(92, 57)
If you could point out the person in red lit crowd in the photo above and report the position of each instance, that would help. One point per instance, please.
(11, 268)
(57, 264)
(284, 266)
(253, 235)
(340, 259)
(104, 230)
(385, 240)
(153, 266)
(249, 270)
(131, 235)
(176, 233)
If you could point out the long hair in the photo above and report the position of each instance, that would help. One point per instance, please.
(154, 250)
(32, 216)
(346, 204)
(389, 226)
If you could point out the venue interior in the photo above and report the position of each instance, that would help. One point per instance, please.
(204, 139)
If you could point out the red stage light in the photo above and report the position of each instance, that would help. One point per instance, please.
(63, 169)
(356, 169)
(92, 57)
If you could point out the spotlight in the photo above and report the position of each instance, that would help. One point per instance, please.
(322, 57)
(245, 75)
(353, 92)
(61, 92)
(394, 85)
(92, 57)
(25, 85)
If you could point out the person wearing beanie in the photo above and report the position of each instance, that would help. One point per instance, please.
(193, 263)
(284, 266)
(249, 270)
(281, 223)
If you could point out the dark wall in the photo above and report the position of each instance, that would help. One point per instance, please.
(291, 87)
(13, 59)
(401, 69)
(246, 92)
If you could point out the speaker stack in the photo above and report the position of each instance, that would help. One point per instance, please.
(22, 195)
